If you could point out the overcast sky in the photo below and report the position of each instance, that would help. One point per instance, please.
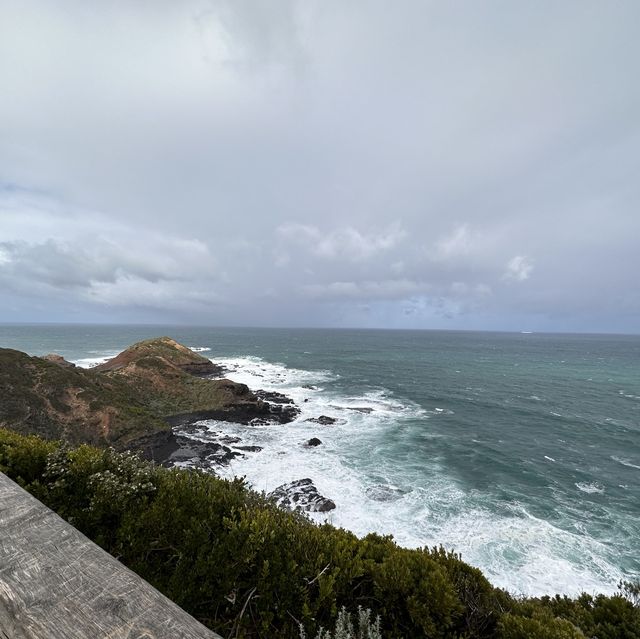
(321, 163)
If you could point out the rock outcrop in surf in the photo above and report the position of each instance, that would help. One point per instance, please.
(302, 495)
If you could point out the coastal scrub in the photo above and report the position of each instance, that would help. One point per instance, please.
(247, 568)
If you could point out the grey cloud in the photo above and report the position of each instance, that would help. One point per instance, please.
(371, 290)
(91, 260)
(465, 164)
(346, 243)
(519, 268)
(133, 267)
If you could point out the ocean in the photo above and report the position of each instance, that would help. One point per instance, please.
(519, 451)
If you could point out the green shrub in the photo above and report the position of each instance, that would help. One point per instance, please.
(539, 627)
(604, 617)
(24, 458)
(246, 568)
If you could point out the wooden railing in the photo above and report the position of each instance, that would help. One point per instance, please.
(57, 584)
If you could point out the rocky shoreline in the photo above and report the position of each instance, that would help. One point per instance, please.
(152, 398)
(192, 443)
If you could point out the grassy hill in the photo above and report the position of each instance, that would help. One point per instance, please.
(128, 402)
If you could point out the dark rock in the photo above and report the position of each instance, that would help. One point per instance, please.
(203, 369)
(192, 450)
(310, 387)
(158, 446)
(301, 495)
(195, 428)
(360, 409)
(170, 448)
(247, 410)
(323, 419)
(282, 413)
(250, 449)
(218, 371)
(314, 441)
(272, 396)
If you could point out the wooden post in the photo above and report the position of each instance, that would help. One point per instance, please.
(57, 584)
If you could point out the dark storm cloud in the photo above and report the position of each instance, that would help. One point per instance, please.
(462, 164)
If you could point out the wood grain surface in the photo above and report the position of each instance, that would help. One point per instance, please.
(57, 584)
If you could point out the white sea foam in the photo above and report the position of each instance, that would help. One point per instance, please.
(625, 462)
(628, 395)
(437, 411)
(377, 490)
(90, 362)
(586, 487)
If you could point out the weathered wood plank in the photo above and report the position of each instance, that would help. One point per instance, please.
(57, 584)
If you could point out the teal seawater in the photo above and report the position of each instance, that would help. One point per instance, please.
(521, 451)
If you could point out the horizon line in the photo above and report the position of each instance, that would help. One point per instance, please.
(320, 328)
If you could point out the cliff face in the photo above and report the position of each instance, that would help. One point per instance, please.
(128, 402)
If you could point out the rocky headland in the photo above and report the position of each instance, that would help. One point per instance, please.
(131, 401)
(151, 398)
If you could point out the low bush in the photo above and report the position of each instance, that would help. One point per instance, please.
(246, 568)
(364, 628)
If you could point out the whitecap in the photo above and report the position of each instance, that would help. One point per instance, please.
(199, 349)
(440, 411)
(628, 395)
(625, 462)
(589, 488)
